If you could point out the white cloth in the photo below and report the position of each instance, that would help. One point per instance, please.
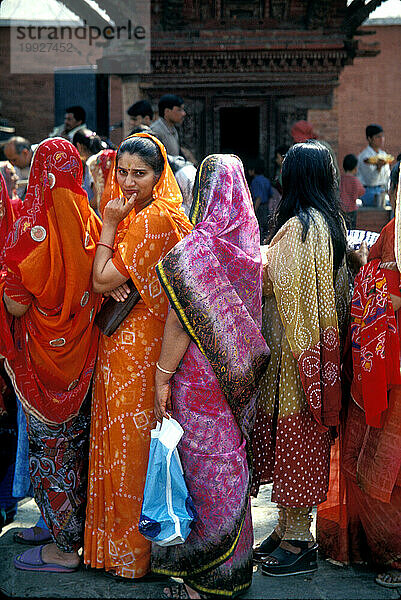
(186, 178)
(369, 174)
(60, 131)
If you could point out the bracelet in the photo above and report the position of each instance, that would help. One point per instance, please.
(164, 370)
(105, 245)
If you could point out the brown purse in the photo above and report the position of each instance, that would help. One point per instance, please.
(113, 313)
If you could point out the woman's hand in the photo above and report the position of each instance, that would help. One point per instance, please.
(120, 293)
(358, 258)
(116, 210)
(162, 402)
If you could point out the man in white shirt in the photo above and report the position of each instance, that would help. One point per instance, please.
(171, 113)
(74, 120)
(374, 176)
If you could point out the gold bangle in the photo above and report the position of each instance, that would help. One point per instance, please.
(164, 370)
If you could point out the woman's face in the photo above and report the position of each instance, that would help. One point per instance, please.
(135, 176)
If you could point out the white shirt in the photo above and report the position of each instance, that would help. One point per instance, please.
(167, 135)
(368, 174)
(60, 131)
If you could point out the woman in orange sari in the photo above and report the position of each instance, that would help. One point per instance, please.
(51, 347)
(138, 231)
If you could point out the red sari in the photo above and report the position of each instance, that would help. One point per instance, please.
(361, 519)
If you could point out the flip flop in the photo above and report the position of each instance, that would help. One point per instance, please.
(31, 560)
(33, 536)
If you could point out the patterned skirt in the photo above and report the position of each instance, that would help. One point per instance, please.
(58, 462)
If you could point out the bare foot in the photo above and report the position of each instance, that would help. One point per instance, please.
(390, 579)
(52, 554)
(182, 591)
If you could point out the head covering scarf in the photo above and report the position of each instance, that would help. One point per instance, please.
(302, 131)
(213, 280)
(49, 256)
(129, 257)
(165, 191)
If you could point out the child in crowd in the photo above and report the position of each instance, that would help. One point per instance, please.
(350, 189)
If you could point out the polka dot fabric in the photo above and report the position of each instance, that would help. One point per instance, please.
(291, 442)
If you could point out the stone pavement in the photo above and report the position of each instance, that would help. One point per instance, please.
(330, 582)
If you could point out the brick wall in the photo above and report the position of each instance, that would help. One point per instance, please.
(27, 100)
(325, 123)
(369, 92)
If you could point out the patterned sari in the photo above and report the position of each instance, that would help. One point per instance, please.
(304, 314)
(122, 404)
(49, 256)
(213, 281)
(361, 519)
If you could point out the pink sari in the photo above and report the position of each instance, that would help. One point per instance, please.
(215, 388)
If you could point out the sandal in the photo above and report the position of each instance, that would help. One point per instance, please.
(393, 579)
(33, 536)
(288, 563)
(267, 546)
(31, 560)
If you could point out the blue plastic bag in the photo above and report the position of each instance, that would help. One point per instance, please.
(167, 509)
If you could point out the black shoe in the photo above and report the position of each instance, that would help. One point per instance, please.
(266, 547)
(289, 563)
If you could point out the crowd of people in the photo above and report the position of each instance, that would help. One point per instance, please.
(281, 361)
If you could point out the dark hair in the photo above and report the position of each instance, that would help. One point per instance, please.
(20, 143)
(309, 181)
(169, 101)
(89, 139)
(142, 108)
(373, 129)
(78, 112)
(349, 163)
(141, 129)
(146, 149)
(394, 175)
(258, 165)
(282, 149)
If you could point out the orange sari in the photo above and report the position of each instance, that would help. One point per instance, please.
(122, 406)
(49, 256)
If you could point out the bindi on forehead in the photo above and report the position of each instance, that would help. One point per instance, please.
(132, 161)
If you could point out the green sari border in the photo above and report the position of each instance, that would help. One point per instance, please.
(215, 563)
(177, 306)
(199, 588)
